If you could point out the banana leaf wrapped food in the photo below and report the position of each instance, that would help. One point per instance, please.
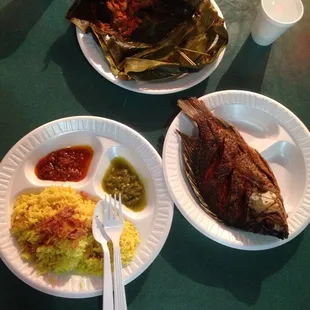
(153, 39)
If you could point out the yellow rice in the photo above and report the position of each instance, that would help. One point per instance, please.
(83, 255)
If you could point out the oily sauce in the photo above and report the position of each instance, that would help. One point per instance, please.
(67, 164)
(122, 178)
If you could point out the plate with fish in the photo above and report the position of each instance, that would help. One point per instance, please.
(50, 182)
(237, 165)
(151, 46)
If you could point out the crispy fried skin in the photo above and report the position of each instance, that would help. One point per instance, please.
(232, 181)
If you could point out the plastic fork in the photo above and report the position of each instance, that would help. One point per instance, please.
(113, 226)
(101, 237)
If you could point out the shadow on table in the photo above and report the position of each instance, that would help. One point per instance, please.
(247, 70)
(207, 262)
(18, 295)
(15, 24)
(100, 97)
(132, 289)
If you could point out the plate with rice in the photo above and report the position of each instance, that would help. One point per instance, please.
(45, 222)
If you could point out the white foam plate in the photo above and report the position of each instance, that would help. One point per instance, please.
(281, 138)
(96, 58)
(108, 139)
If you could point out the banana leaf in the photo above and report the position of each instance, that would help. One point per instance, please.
(176, 7)
(173, 37)
(146, 70)
(90, 11)
(153, 28)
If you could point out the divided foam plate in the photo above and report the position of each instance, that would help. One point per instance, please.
(108, 140)
(281, 138)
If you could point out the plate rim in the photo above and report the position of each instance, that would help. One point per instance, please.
(306, 194)
(168, 201)
(201, 75)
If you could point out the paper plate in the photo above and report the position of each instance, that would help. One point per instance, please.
(281, 138)
(108, 139)
(94, 55)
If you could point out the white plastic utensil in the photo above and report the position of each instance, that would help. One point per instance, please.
(113, 226)
(101, 237)
(274, 18)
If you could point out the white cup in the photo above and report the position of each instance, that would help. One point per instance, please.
(274, 18)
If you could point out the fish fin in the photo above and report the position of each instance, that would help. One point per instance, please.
(196, 191)
(194, 108)
(224, 124)
(190, 145)
(268, 170)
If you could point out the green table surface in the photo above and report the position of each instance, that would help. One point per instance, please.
(44, 76)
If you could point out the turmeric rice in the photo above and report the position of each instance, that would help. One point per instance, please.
(54, 231)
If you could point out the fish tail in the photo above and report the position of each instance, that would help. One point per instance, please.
(194, 108)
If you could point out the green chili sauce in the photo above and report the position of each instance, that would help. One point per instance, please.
(122, 178)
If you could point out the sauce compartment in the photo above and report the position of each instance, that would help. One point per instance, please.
(66, 164)
(144, 175)
(257, 127)
(121, 177)
(250, 122)
(60, 142)
(287, 163)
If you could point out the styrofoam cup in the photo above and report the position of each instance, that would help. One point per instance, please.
(274, 18)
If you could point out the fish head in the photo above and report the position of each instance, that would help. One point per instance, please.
(267, 215)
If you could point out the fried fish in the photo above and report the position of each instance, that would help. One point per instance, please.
(231, 180)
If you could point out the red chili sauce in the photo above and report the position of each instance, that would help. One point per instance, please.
(68, 164)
